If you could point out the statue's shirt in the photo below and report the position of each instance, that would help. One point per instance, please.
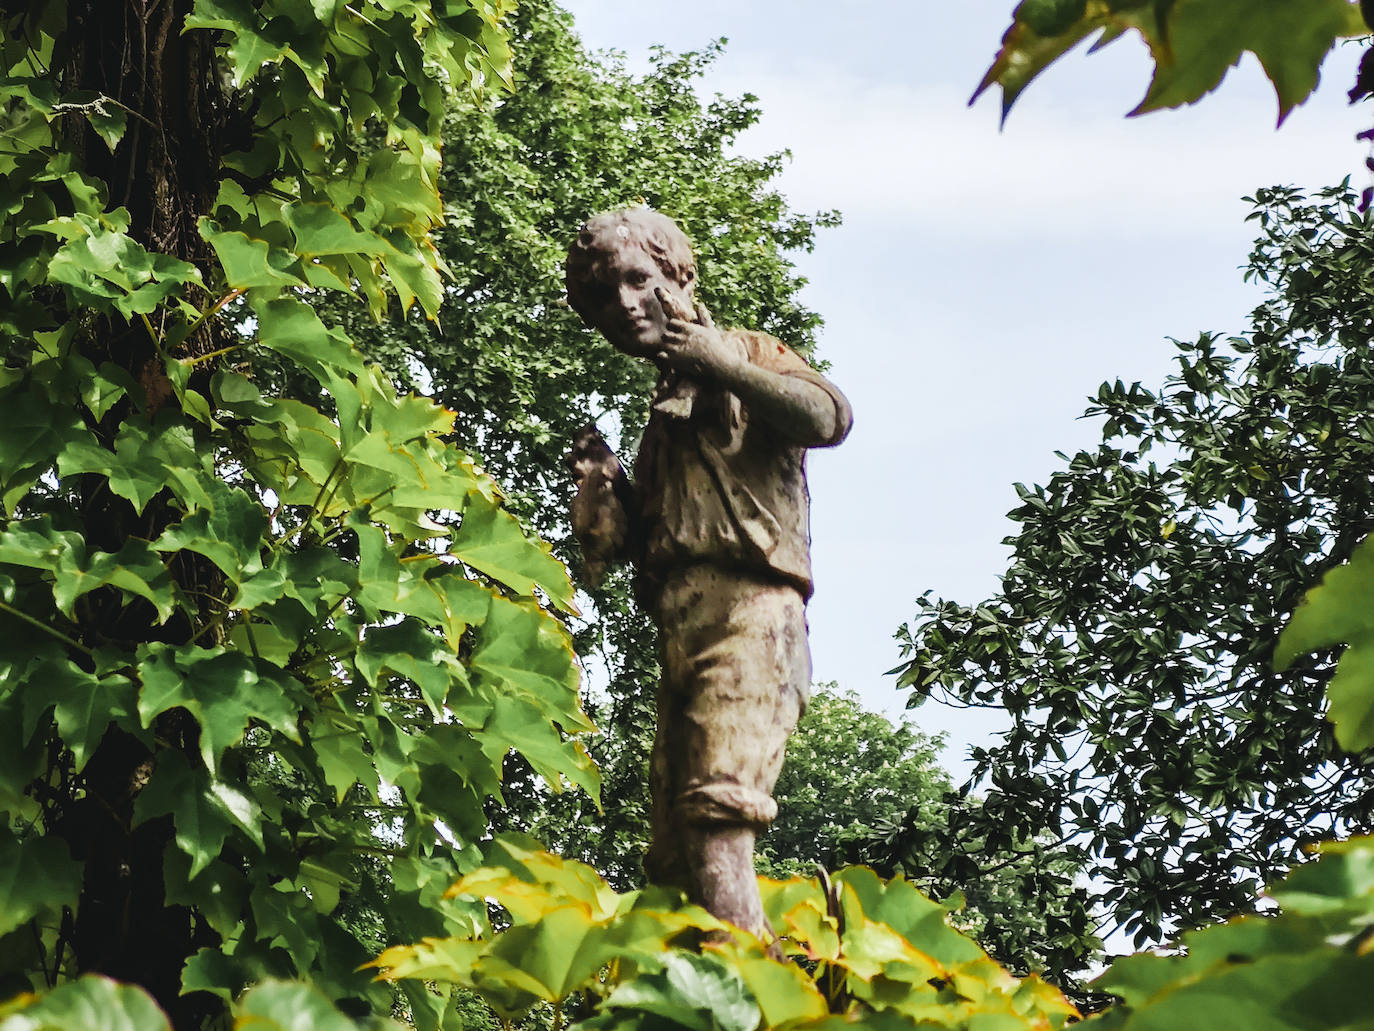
(720, 487)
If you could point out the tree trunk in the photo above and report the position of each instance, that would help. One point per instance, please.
(165, 172)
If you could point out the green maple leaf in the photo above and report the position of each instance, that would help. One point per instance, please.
(1340, 610)
(91, 1003)
(204, 810)
(1194, 43)
(223, 690)
(37, 877)
(490, 540)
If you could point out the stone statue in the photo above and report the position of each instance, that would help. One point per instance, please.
(716, 524)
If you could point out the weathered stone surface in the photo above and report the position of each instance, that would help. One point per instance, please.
(716, 523)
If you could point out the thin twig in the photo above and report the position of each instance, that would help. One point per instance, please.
(70, 642)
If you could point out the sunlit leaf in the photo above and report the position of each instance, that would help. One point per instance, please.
(90, 1003)
(491, 541)
(1340, 610)
(1193, 42)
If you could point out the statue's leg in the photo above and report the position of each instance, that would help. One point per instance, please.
(736, 673)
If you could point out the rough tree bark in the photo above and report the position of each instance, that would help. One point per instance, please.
(165, 171)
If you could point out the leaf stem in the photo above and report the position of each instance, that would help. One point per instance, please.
(70, 642)
(200, 321)
(213, 354)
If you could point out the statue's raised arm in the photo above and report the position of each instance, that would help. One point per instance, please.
(717, 527)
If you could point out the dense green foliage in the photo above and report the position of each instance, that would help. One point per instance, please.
(1340, 611)
(251, 649)
(848, 772)
(1304, 968)
(856, 789)
(877, 953)
(1131, 643)
(1193, 43)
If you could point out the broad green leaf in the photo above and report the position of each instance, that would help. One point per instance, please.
(37, 879)
(135, 569)
(521, 650)
(782, 991)
(109, 122)
(22, 759)
(1342, 875)
(1204, 38)
(1341, 610)
(291, 327)
(414, 279)
(549, 958)
(260, 588)
(34, 543)
(434, 959)
(516, 723)
(898, 904)
(797, 910)
(285, 917)
(90, 1003)
(1305, 992)
(223, 690)
(111, 271)
(146, 459)
(204, 811)
(404, 418)
(529, 881)
(218, 892)
(250, 48)
(289, 1006)
(1193, 42)
(266, 640)
(491, 540)
(248, 263)
(210, 970)
(32, 433)
(447, 774)
(105, 389)
(84, 705)
(321, 229)
(228, 530)
(697, 992)
(411, 651)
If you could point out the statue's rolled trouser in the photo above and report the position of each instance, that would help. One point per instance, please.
(736, 674)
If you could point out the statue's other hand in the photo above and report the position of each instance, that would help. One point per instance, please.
(589, 453)
(598, 516)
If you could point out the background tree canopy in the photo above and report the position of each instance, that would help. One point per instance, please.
(1132, 642)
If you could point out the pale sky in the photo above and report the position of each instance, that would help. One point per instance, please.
(984, 283)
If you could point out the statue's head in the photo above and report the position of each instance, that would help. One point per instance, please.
(615, 266)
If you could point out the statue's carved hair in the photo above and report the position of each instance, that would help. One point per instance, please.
(655, 233)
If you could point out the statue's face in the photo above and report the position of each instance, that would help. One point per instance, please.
(625, 306)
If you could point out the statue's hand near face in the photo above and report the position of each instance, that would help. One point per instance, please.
(691, 344)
